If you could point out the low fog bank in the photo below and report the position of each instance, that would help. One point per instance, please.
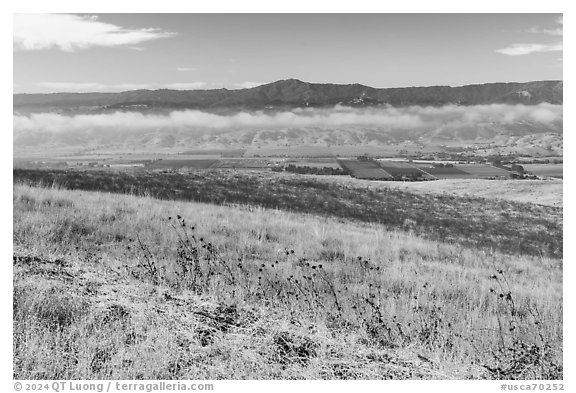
(191, 121)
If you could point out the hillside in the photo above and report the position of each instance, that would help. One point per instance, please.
(122, 287)
(541, 192)
(491, 224)
(293, 93)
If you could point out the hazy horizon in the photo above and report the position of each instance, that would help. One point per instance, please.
(311, 82)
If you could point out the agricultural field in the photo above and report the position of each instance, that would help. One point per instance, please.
(365, 170)
(463, 171)
(402, 169)
(181, 164)
(112, 286)
(230, 153)
(337, 151)
(289, 151)
(313, 162)
(247, 163)
(483, 171)
(372, 151)
(445, 172)
(545, 170)
(182, 156)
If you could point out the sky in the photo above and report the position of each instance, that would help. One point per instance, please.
(118, 52)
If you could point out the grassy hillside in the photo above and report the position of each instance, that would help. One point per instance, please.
(491, 224)
(119, 286)
(540, 192)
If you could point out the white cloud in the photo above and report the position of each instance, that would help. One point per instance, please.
(90, 86)
(526, 49)
(192, 121)
(184, 86)
(538, 30)
(558, 31)
(70, 32)
(74, 87)
(247, 84)
(186, 69)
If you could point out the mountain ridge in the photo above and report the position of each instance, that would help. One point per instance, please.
(292, 93)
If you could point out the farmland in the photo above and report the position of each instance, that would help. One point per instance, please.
(248, 163)
(545, 170)
(365, 170)
(181, 164)
(313, 162)
(307, 160)
(482, 171)
(403, 170)
(289, 151)
(443, 171)
(446, 172)
(233, 153)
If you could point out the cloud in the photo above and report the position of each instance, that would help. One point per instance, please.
(70, 32)
(526, 49)
(91, 86)
(247, 84)
(184, 86)
(558, 31)
(538, 30)
(383, 119)
(186, 69)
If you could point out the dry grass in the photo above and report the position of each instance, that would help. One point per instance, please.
(491, 224)
(105, 286)
(541, 192)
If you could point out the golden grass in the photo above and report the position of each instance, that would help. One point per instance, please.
(84, 309)
(541, 192)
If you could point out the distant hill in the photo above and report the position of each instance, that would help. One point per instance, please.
(291, 93)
